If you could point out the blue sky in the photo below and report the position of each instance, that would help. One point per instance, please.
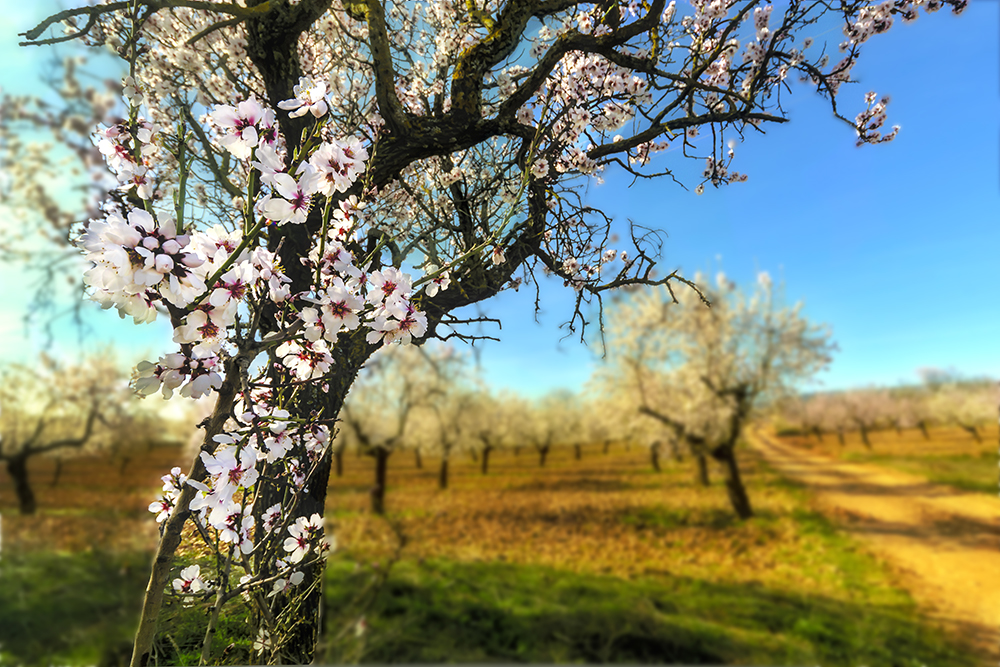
(893, 245)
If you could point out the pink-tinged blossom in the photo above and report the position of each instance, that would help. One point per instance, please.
(308, 361)
(302, 532)
(310, 97)
(231, 470)
(338, 165)
(282, 585)
(233, 285)
(190, 580)
(388, 285)
(199, 329)
(271, 517)
(438, 283)
(386, 329)
(340, 308)
(293, 207)
(243, 123)
(269, 163)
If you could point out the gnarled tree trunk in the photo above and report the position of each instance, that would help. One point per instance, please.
(738, 498)
(378, 491)
(702, 461)
(17, 468)
(443, 473)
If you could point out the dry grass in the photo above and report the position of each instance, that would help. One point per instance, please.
(944, 441)
(950, 456)
(606, 514)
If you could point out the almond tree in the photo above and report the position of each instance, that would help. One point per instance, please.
(48, 407)
(703, 372)
(380, 413)
(303, 182)
(966, 405)
(865, 410)
(491, 421)
(443, 421)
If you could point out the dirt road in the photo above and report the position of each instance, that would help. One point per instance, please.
(945, 543)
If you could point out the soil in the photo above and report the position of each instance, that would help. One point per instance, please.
(944, 543)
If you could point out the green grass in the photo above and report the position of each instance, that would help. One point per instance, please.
(445, 611)
(963, 471)
(69, 608)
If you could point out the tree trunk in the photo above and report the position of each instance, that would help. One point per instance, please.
(484, 464)
(738, 497)
(17, 468)
(675, 450)
(57, 473)
(474, 454)
(517, 450)
(121, 469)
(607, 446)
(922, 425)
(864, 436)
(417, 459)
(703, 478)
(378, 492)
(840, 436)
(443, 474)
(818, 432)
(577, 454)
(654, 455)
(973, 430)
(542, 453)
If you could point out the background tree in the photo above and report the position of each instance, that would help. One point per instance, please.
(380, 412)
(490, 422)
(48, 407)
(965, 405)
(703, 371)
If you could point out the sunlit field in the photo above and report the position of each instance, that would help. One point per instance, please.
(600, 559)
(950, 456)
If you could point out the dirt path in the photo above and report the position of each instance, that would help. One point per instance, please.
(945, 543)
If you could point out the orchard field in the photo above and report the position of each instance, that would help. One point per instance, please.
(946, 455)
(597, 559)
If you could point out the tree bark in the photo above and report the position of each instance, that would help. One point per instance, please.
(443, 474)
(864, 436)
(57, 473)
(738, 497)
(972, 430)
(543, 452)
(17, 468)
(922, 425)
(484, 464)
(418, 461)
(654, 455)
(703, 478)
(378, 491)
